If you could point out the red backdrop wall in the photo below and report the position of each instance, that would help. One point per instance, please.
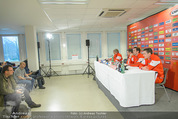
(159, 32)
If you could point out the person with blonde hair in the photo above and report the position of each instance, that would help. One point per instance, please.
(117, 56)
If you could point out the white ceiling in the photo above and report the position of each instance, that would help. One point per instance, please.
(16, 14)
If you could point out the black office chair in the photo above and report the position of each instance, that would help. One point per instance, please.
(164, 81)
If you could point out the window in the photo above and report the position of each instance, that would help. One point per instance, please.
(11, 48)
(54, 45)
(113, 42)
(73, 45)
(95, 44)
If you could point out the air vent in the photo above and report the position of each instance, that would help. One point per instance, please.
(110, 13)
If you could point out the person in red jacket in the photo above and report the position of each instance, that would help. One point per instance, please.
(117, 55)
(130, 58)
(138, 57)
(152, 62)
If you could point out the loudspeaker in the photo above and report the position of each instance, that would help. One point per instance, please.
(38, 44)
(87, 42)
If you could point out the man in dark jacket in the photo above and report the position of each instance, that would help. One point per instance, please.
(9, 91)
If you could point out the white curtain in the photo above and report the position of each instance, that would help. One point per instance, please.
(113, 42)
(73, 45)
(54, 45)
(95, 44)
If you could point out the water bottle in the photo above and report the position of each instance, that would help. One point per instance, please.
(97, 59)
(122, 67)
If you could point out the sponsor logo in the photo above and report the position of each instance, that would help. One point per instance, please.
(167, 49)
(175, 34)
(135, 31)
(161, 28)
(130, 47)
(129, 35)
(174, 44)
(168, 31)
(175, 24)
(175, 39)
(161, 57)
(146, 28)
(151, 34)
(151, 41)
(146, 35)
(174, 58)
(135, 40)
(146, 42)
(139, 36)
(162, 23)
(161, 45)
(151, 38)
(139, 43)
(132, 40)
(132, 31)
(139, 33)
(162, 40)
(143, 42)
(151, 26)
(167, 62)
(167, 58)
(139, 39)
(168, 21)
(143, 36)
(168, 53)
(143, 32)
(129, 38)
(155, 49)
(175, 19)
(174, 12)
(155, 25)
(139, 30)
(146, 31)
(143, 46)
(142, 39)
(168, 26)
(161, 32)
(156, 37)
(162, 61)
(161, 36)
(151, 45)
(151, 30)
(135, 37)
(143, 29)
(155, 29)
(175, 29)
(130, 43)
(156, 53)
(155, 41)
(133, 43)
(161, 53)
(129, 32)
(155, 45)
(168, 44)
(174, 53)
(161, 49)
(168, 40)
(155, 33)
(146, 38)
(132, 37)
(168, 35)
(146, 45)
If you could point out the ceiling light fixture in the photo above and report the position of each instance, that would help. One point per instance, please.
(64, 2)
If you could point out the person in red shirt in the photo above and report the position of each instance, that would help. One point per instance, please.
(117, 56)
(130, 58)
(152, 62)
(138, 57)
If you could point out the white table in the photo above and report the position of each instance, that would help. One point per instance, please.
(133, 88)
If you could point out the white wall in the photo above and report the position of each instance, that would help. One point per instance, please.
(65, 66)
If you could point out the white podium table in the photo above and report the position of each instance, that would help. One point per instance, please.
(133, 88)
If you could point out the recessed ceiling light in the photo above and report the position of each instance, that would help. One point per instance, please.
(64, 2)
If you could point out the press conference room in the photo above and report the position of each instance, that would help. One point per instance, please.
(96, 59)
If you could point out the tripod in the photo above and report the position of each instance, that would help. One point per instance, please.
(89, 67)
(40, 69)
(49, 73)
